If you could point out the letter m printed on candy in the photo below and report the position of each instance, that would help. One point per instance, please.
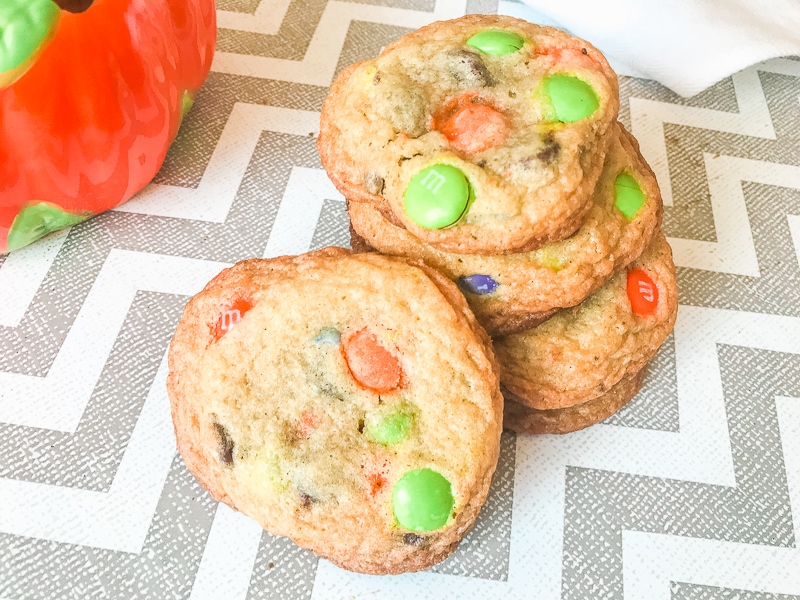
(231, 317)
(433, 181)
(437, 196)
(647, 291)
(642, 292)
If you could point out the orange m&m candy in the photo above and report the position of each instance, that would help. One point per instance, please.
(642, 292)
(370, 363)
(475, 128)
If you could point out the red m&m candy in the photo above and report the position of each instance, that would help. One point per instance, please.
(231, 317)
(642, 292)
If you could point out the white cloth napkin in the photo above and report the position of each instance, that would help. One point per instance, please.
(687, 45)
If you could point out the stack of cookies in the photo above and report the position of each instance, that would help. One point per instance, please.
(352, 401)
(489, 148)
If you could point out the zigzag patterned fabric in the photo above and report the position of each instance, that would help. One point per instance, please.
(692, 491)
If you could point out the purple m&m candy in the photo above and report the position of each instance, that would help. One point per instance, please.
(477, 284)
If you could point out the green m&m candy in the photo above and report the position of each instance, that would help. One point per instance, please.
(572, 98)
(389, 429)
(493, 41)
(437, 196)
(422, 500)
(628, 196)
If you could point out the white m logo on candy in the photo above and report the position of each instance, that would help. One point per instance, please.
(646, 290)
(229, 319)
(433, 181)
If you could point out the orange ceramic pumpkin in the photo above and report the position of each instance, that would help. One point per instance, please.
(91, 95)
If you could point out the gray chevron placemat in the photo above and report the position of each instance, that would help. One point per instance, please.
(690, 492)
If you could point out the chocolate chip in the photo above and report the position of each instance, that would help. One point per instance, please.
(373, 183)
(467, 69)
(549, 154)
(224, 444)
(550, 151)
(328, 389)
(318, 381)
(361, 426)
(412, 539)
(306, 499)
(546, 155)
(402, 103)
(584, 51)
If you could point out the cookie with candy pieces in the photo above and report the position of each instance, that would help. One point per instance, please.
(522, 418)
(581, 354)
(481, 135)
(347, 401)
(513, 292)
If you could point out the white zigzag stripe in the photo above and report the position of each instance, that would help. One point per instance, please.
(58, 400)
(734, 251)
(21, 276)
(299, 211)
(794, 229)
(228, 558)
(699, 452)
(119, 519)
(266, 19)
(217, 189)
(753, 119)
(652, 561)
(319, 63)
(116, 520)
